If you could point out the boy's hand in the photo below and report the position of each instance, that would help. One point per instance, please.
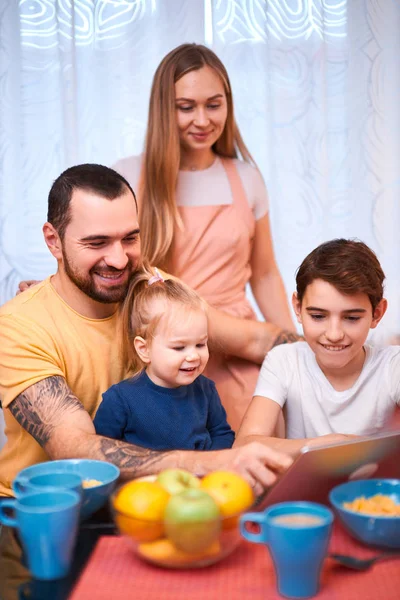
(330, 438)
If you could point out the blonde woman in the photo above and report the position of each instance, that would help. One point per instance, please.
(204, 212)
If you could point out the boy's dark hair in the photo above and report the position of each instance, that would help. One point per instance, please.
(349, 265)
(90, 177)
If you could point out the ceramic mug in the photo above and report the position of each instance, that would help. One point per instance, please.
(47, 524)
(49, 481)
(297, 535)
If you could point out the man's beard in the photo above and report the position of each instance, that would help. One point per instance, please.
(88, 286)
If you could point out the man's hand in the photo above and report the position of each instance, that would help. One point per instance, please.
(259, 464)
(24, 285)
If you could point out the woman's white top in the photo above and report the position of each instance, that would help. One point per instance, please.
(209, 187)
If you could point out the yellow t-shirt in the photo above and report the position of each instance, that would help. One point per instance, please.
(41, 336)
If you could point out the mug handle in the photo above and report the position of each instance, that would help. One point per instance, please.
(20, 485)
(4, 518)
(253, 518)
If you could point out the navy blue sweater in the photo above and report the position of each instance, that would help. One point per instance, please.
(189, 417)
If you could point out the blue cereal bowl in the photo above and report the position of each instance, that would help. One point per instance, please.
(94, 497)
(380, 531)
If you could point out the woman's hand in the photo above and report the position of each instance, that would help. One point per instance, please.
(24, 285)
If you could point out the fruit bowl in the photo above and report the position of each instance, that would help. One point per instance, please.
(182, 530)
(374, 530)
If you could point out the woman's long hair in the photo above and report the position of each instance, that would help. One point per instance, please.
(159, 214)
(139, 315)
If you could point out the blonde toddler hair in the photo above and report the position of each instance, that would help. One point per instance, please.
(145, 306)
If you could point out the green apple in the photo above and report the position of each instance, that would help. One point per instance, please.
(192, 520)
(175, 481)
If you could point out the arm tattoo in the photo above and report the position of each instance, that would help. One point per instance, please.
(40, 408)
(129, 457)
(287, 337)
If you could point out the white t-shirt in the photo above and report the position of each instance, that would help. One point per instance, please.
(290, 375)
(209, 186)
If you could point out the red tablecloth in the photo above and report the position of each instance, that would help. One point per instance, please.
(115, 573)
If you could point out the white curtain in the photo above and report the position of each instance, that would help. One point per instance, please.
(316, 86)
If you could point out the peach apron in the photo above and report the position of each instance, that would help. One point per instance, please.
(212, 255)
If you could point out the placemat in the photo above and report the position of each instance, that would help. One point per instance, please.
(115, 573)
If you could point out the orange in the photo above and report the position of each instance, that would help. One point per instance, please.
(140, 506)
(163, 552)
(231, 492)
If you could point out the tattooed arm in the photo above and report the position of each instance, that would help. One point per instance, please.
(244, 338)
(53, 415)
(286, 337)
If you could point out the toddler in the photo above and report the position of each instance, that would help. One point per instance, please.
(168, 403)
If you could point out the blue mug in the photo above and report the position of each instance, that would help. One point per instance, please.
(47, 524)
(297, 535)
(49, 481)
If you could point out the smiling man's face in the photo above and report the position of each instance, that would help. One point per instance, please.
(101, 245)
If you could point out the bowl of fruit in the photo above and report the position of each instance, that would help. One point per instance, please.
(178, 520)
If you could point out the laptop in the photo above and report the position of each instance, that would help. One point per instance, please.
(317, 470)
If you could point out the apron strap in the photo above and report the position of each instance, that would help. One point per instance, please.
(238, 192)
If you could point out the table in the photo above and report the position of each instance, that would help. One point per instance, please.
(105, 568)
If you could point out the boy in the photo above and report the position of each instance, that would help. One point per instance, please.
(332, 385)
